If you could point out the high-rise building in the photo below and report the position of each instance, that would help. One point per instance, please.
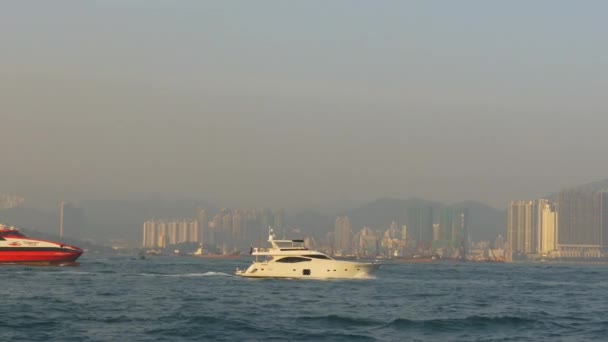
(149, 235)
(368, 242)
(71, 221)
(193, 231)
(343, 235)
(162, 236)
(582, 229)
(182, 229)
(521, 227)
(173, 232)
(163, 233)
(546, 227)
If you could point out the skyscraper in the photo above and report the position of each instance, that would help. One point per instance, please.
(582, 229)
(149, 235)
(521, 228)
(193, 231)
(162, 235)
(173, 232)
(547, 227)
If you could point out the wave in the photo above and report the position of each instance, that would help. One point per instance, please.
(336, 320)
(447, 324)
(459, 324)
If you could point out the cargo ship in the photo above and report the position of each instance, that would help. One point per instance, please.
(16, 248)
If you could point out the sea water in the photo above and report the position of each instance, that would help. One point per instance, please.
(165, 298)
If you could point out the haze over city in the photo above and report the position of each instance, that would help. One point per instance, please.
(198, 170)
(301, 105)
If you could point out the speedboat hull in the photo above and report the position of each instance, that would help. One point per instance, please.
(39, 255)
(318, 269)
(15, 248)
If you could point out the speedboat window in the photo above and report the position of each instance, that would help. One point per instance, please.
(292, 259)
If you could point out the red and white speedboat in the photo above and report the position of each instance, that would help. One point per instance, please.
(16, 248)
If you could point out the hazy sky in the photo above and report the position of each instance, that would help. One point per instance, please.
(307, 103)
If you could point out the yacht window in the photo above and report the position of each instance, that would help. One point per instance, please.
(292, 259)
(318, 256)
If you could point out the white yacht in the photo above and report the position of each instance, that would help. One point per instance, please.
(290, 259)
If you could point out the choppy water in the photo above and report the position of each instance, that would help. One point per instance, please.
(188, 299)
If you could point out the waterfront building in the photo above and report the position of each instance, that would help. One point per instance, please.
(546, 227)
(173, 232)
(193, 231)
(582, 229)
(149, 234)
(182, 229)
(163, 233)
(368, 242)
(521, 228)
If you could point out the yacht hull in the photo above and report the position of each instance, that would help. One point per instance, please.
(319, 269)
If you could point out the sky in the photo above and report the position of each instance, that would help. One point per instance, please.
(302, 104)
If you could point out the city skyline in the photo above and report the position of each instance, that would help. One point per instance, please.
(442, 162)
